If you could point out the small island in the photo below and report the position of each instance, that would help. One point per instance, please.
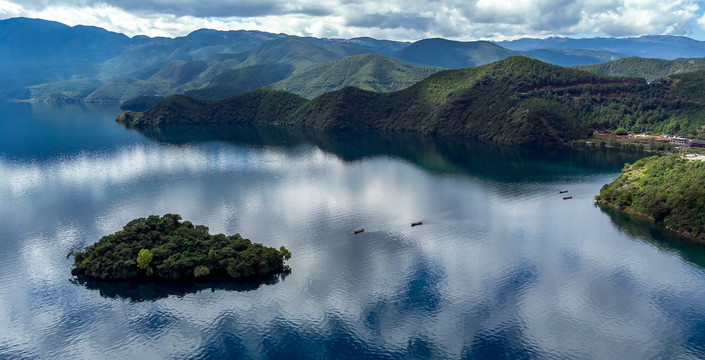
(167, 248)
(668, 190)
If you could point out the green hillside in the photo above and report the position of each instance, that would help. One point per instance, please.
(140, 103)
(368, 71)
(384, 47)
(292, 63)
(273, 61)
(649, 69)
(259, 106)
(686, 86)
(493, 102)
(216, 92)
(517, 100)
(672, 105)
(669, 190)
(453, 54)
(36, 52)
(174, 77)
(178, 72)
(69, 90)
(43, 59)
(507, 101)
(298, 51)
(253, 77)
(128, 88)
(568, 57)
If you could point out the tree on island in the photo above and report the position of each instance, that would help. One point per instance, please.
(167, 248)
(143, 258)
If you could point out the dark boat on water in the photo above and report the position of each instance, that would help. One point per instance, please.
(567, 197)
(416, 223)
(358, 231)
(563, 191)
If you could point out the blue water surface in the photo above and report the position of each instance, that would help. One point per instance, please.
(502, 266)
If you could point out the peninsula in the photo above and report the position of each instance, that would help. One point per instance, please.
(668, 190)
(167, 248)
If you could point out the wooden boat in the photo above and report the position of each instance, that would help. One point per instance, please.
(358, 231)
(567, 197)
(416, 223)
(563, 191)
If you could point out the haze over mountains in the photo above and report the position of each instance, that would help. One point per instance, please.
(49, 61)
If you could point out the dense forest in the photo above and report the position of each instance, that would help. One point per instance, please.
(649, 69)
(167, 248)
(517, 100)
(667, 189)
(371, 72)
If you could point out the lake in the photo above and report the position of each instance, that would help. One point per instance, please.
(502, 266)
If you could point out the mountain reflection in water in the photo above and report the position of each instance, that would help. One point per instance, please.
(441, 155)
(502, 267)
(651, 233)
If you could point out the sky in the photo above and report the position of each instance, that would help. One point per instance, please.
(402, 20)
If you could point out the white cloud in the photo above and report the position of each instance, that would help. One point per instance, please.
(393, 19)
(643, 17)
(10, 9)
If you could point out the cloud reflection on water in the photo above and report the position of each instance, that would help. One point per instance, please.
(525, 272)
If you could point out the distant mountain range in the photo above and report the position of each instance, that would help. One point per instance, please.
(649, 69)
(49, 61)
(659, 47)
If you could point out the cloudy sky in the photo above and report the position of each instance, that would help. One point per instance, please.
(389, 19)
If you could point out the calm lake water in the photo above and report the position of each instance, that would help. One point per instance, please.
(502, 267)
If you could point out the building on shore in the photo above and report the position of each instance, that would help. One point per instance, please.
(679, 140)
(697, 143)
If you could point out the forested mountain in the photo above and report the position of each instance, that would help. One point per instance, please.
(658, 46)
(517, 100)
(272, 61)
(49, 61)
(568, 57)
(453, 54)
(369, 71)
(36, 52)
(649, 69)
(299, 51)
(669, 190)
(384, 47)
(173, 77)
(295, 64)
(506, 101)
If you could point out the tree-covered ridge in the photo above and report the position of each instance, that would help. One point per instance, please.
(649, 69)
(140, 103)
(451, 54)
(167, 248)
(668, 189)
(46, 60)
(517, 100)
(372, 72)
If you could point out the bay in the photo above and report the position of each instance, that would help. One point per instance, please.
(502, 266)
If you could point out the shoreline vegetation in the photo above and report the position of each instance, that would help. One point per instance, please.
(167, 248)
(517, 101)
(667, 190)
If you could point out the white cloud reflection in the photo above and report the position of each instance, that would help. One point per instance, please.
(482, 263)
